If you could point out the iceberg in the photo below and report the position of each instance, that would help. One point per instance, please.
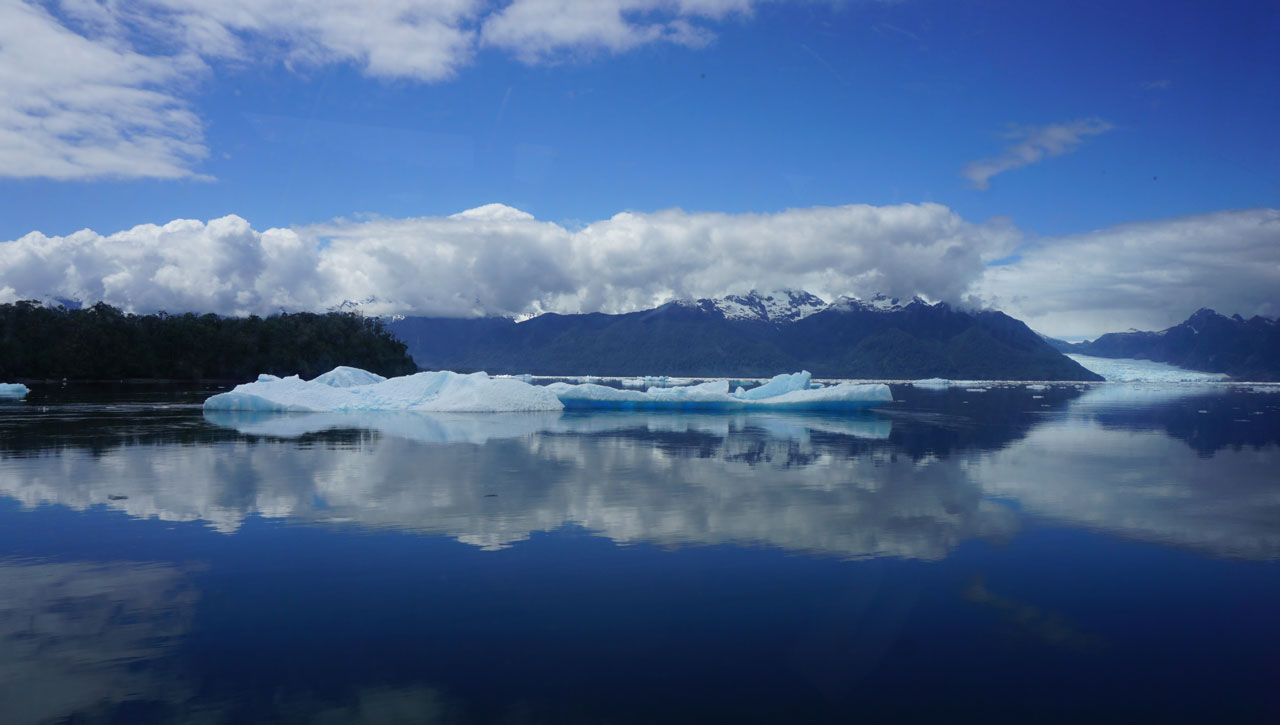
(785, 395)
(342, 390)
(777, 386)
(13, 390)
(440, 392)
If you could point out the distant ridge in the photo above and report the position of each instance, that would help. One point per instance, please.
(1205, 341)
(752, 335)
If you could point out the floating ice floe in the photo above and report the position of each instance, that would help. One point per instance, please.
(649, 381)
(341, 391)
(1123, 370)
(441, 392)
(784, 392)
(931, 383)
(13, 390)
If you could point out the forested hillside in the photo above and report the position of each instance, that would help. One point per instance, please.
(103, 343)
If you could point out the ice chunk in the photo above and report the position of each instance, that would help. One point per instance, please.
(649, 381)
(346, 377)
(267, 378)
(1037, 386)
(436, 392)
(932, 383)
(715, 396)
(13, 390)
(777, 386)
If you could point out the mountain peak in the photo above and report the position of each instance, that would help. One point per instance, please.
(877, 303)
(777, 306)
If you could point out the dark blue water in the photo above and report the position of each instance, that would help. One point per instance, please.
(1006, 555)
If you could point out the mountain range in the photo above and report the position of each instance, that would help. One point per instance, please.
(753, 335)
(1206, 341)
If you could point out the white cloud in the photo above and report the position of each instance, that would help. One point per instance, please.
(1147, 275)
(72, 107)
(1032, 144)
(498, 260)
(99, 88)
(425, 41)
(537, 30)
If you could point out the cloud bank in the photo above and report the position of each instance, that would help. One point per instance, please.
(1145, 275)
(1032, 144)
(98, 88)
(499, 260)
(496, 260)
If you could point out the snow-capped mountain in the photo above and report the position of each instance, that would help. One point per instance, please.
(785, 306)
(755, 334)
(878, 303)
(779, 306)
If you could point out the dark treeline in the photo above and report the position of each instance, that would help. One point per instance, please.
(103, 343)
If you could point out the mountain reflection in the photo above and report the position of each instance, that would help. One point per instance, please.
(838, 485)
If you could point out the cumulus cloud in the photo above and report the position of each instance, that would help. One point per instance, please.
(499, 260)
(99, 88)
(1147, 275)
(1032, 144)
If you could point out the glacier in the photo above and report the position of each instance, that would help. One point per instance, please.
(1124, 370)
(13, 390)
(346, 390)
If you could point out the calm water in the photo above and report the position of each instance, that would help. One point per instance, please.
(1007, 555)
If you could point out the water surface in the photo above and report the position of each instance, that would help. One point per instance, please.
(1000, 554)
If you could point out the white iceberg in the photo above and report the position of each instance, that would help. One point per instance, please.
(777, 386)
(441, 392)
(447, 392)
(13, 390)
(1123, 370)
(715, 396)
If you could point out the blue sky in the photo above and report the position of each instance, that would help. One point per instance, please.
(1085, 116)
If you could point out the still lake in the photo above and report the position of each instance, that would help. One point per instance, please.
(1007, 554)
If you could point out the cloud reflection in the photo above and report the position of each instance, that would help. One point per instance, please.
(82, 637)
(851, 487)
